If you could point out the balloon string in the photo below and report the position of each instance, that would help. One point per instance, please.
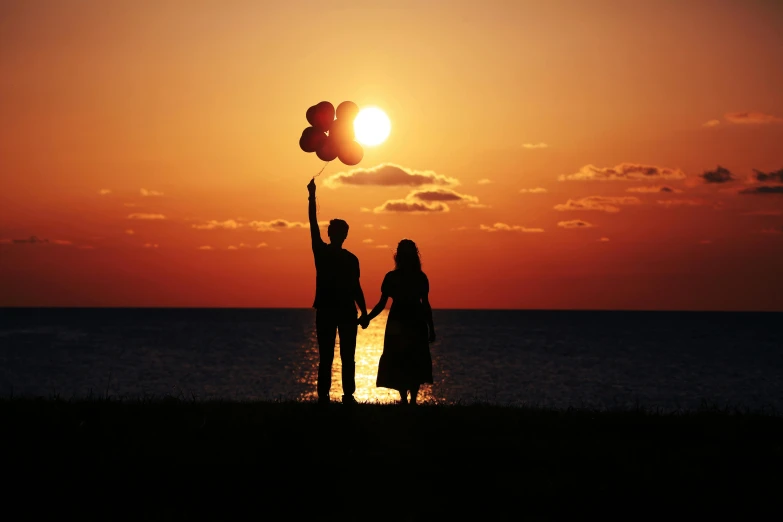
(322, 169)
(317, 203)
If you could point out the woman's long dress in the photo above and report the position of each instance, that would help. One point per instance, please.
(406, 362)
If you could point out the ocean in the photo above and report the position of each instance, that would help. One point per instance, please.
(664, 360)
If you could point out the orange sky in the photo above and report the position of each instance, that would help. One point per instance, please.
(190, 112)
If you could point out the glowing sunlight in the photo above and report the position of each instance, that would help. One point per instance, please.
(371, 126)
(369, 347)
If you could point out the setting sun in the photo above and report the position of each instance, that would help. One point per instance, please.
(371, 126)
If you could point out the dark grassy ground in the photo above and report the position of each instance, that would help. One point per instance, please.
(172, 459)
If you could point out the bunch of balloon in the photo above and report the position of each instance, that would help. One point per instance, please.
(331, 137)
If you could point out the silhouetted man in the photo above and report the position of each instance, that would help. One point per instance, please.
(337, 292)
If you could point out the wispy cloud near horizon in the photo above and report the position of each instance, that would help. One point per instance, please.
(653, 189)
(624, 172)
(719, 175)
(609, 204)
(503, 227)
(752, 118)
(148, 217)
(574, 223)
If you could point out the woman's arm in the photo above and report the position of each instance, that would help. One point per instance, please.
(378, 308)
(428, 314)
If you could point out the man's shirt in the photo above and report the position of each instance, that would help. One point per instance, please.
(337, 278)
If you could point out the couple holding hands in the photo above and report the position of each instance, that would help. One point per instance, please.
(406, 362)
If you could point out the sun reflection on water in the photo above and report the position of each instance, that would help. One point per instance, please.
(369, 347)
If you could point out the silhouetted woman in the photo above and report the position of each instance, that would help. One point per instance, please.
(406, 362)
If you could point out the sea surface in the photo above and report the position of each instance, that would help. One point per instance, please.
(666, 360)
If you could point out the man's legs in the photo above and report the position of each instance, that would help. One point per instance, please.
(348, 330)
(326, 331)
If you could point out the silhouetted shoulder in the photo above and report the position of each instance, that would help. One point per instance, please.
(350, 255)
(352, 260)
(425, 283)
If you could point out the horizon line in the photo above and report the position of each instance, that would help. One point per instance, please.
(659, 310)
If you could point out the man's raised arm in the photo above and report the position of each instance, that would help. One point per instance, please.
(315, 232)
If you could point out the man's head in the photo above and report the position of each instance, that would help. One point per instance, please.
(337, 231)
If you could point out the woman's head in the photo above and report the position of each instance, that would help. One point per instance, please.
(407, 256)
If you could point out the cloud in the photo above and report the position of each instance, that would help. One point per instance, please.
(381, 227)
(381, 246)
(773, 230)
(150, 193)
(599, 203)
(764, 189)
(604, 240)
(502, 227)
(104, 192)
(404, 205)
(653, 189)
(769, 176)
(428, 200)
(228, 224)
(624, 172)
(205, 247)
(146, 216)
(368, 241)
(719, 175)
(711, 123)
(32, 240)
(752, 118)
(275, 225)
(574, 223)
(389, 175)
(241, 246)
(35, 240)
(130, 232)
(668, 203)
(705, 242)
(537, 190)
(150, 245)
(535, 145)
(484, 181)
(441, 195)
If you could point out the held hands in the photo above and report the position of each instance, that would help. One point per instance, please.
(311, 187)
(364, 321)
